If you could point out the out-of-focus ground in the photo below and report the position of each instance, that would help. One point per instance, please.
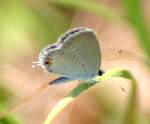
(21, 44)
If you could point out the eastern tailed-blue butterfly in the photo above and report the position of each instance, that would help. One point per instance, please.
(76, 55)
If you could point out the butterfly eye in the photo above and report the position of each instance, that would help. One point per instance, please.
(48, 61)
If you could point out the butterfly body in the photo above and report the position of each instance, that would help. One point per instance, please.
(75, 56)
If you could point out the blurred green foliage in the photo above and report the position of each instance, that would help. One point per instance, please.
(90, 6)
(23, 24)
(135, 16)
(5, 96)
(9, 119)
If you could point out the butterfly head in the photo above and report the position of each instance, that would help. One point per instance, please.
(45, 57)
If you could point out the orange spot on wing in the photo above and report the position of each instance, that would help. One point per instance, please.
(50, 61)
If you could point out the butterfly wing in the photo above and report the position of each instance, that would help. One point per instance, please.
(76, 55)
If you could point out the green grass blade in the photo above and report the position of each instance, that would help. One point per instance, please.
(131, 112)
(58, 108)
(135, 17)
(90, 6)
(84, 86)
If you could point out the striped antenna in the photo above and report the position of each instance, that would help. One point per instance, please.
(37, 64)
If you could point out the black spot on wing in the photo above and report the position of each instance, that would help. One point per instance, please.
(65, 66)
(90, 52)
(62, 52)
(77, 49)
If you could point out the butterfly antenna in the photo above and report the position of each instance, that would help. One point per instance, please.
(112, 57)
(24, 100)
(36, 64)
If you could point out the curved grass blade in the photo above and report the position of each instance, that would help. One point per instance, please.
(84, 86)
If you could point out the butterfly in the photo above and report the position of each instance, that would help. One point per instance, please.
(75, 56)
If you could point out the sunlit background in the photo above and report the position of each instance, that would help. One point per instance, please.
(26, 26)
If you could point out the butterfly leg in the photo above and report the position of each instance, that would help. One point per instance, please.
(60, 80)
